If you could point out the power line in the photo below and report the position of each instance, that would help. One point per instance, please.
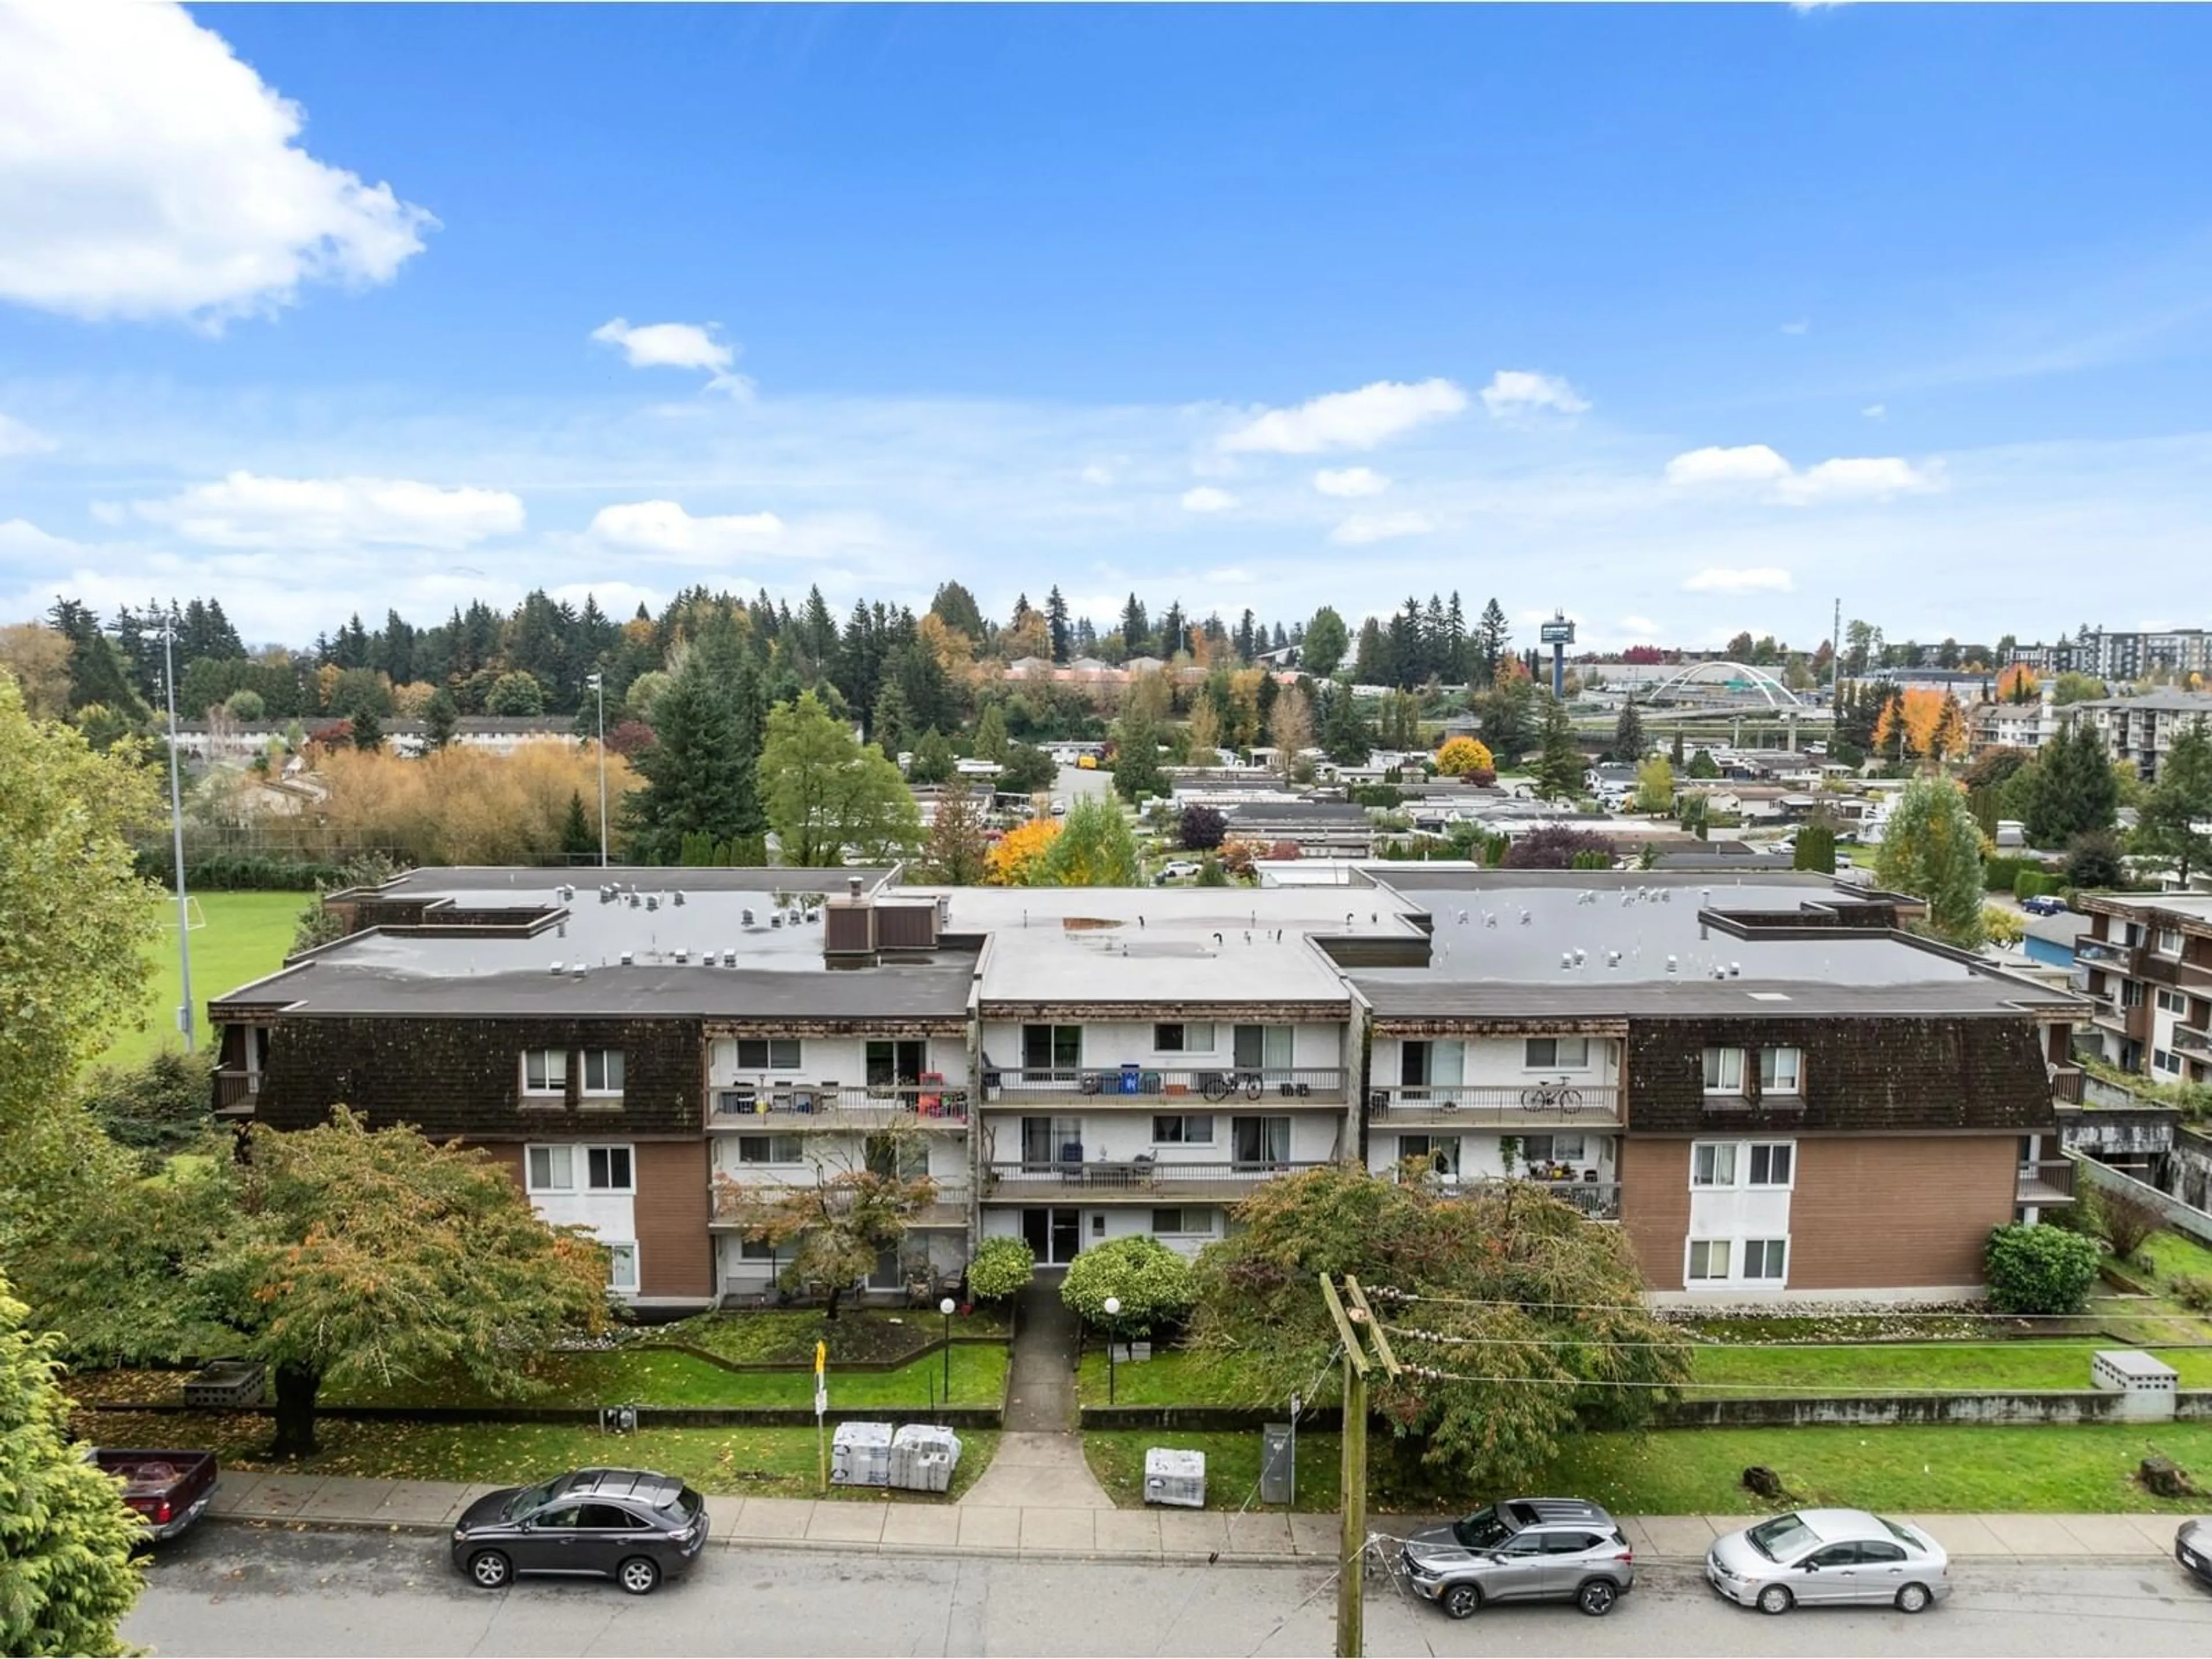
(2022, 1345)
(1529, 1304)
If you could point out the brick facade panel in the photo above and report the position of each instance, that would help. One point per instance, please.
(676, 1253)
(1655, 1207)
(1899, 1210)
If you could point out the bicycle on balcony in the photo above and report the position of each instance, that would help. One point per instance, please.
(1560, 1096)
(1220, 1085)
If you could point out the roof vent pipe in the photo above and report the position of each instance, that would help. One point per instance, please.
(1670, 965)
(853, 886)
(557, 967)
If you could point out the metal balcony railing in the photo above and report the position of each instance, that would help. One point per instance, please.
(1221, 1084)
(1488, 1105)
(833, 1106)
(1136, 1178)
(2050, 1181)
(236, 1092)
(2066, 1084)
(2193, 1040)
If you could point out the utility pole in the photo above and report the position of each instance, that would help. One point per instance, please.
(177, 831)
(1359, 1331)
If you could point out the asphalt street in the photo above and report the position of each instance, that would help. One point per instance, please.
(238, 1589)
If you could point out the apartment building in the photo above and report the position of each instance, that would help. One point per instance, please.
(2008, 725)
(2141, 731)
(2123, 654)
(2146, 964)
(1778, 1093)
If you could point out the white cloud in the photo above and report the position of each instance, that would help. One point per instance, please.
(18, 439)
(1349, 420)
(1361, 528)
(1875, 411)
(1639, 628)
(1746, 463)
(1522, 391)
(1350, 481)
(1207, 499)
(21, 539)
(664, 530)
(1802, 325)
(1234, 575)
(676, 345)
(1716, 579)
(1097, 474)
(146, 172)
(246, 510)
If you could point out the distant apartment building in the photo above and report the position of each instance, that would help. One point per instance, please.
(2140, 731)
(2146, 963)
(2008, 725)
(2116, 655)
(1774, 1089)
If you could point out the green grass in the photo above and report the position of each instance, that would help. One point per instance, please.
(757, 1462)
(2072, 1469)
(2169, 1255)
(246, 937)
(787, 1336)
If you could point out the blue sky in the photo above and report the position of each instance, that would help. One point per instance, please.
(1685, 320)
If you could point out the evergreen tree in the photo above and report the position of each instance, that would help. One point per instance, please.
(1055, 622)
(1674, 750)
(578, 842)
(1628, 744)
(699, 772)
(955, 607)
(1561, 770)
(1324, 644)
(367, 729)
(1491, 637)
(2177, 818)
(2070, 789)
(991, 741)
(440, 718)
(1508, 713)
(1136, 629)
(1345, 737)
(1137, 771)
(97, 671)
(934, 762)
(893, 722)
(1455, 667)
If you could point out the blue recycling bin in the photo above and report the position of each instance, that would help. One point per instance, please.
(1132, 1079)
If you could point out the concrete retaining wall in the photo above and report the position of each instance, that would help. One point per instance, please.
(2184, 1217)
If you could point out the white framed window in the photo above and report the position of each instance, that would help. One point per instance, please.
(1765, 1258)
(2131, 993)
(545, 1070)
(1780, 1071)
(1723, 1071)
(1771, 1163)
(550, 1169)
(1555, 1149)
(2167, 942)
(1708, 1259)
(1182, 1131)
(1712, 1164)
(1555, 1053)
(771, 1148)
(1441, 1151)
(2165, 1060)
(609, 1169)
(756, 1250)
(603, 1070)
(2172, 1002)
(1186, 1222)
(622, 1265)
(769, 1054)
(1188, 1037)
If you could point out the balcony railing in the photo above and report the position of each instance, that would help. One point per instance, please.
(235, 1092)
(2193, 1040)
(2066, 1084)
(1225, 1084)
(1134, 1179)
(2090, 948)
(833, 1106)
(1494, 1105)
(2049, 1182)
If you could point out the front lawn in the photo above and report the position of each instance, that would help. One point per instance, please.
(756, 1462)
(787, 1336)
(2071, 1468)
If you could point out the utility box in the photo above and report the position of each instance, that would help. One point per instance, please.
(923, 1457)
(861, 1455)
(2146, 1386)
(1175, 1477)
(1279, 1464)
(226, 1383)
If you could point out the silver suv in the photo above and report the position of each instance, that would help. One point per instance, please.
(1526, 1549)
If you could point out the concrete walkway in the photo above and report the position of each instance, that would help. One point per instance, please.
(1039, 1465)
(873, 1527)
(1041, 1390)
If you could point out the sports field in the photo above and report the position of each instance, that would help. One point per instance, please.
(245, 935)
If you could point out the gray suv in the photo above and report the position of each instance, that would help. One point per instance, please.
(1526, 1549)
(630, 1525)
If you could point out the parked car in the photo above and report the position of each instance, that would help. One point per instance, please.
(630, 1525)
(1821, 1557)
(1526, 1549)
(2044, 904)
(1175, 869)
(169, 1490)
(2192, 1547)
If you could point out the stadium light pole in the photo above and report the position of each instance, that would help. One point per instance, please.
(599, 684)
(176, 833)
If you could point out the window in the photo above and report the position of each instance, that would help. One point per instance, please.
(1871, 1550)
(1555, 1149)
(1765, 1258)
(1186, 1222)
(1569, 1543)
(545, 1071)
(771, 1148)
(1770, 1163)
(1440, 1064)
(1778, 1070)
(1051, 1047)
(1259, 1141)
(906, 1157)
(2168, 942)
(622, 1267)
(1184, 1039)
(2172, 1002)
(2165, 1060)
(892, 1063)
(607, 1169)
(1709, 1258)
(756, 1250)
(1712, 1164)
(1563, 1054)
(1262, 1048)
(2131, 993)
(552, 1168)
(1723, 1071)
(1441, 1151)
(603, 1070)
(606, 1518)
(1182, 1132)
(768, 1053)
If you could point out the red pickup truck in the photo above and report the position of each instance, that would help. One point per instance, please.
(169, 1489)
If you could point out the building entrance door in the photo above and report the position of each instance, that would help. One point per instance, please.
(1053, 1236)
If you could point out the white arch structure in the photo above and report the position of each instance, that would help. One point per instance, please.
(1740, 683)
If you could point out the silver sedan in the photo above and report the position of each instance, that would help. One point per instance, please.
(1816, 1558)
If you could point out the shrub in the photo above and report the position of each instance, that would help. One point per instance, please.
(1555, 847)
(2085, 1215)
(158, 1107)
(1154, 1283)
(2127, 1222)
(1001, 1269)
(2032, 884)
(2034, 1268)
(1201, 829)
(2093, 860)
(2193, 1292)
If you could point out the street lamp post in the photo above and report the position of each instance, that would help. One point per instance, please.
(945, 1308)
(177, 834)
(597, 682)
(1112, 1307)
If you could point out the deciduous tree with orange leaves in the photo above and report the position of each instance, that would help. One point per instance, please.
(1014, 858)
(1461, 756)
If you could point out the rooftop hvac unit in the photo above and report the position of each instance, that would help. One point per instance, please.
(652, 903)
(557, 968)
(683, 953)
(677, 896)
(729, 958)
(626, 959)
(747, 916)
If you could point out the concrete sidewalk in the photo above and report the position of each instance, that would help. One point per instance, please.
(862, 1526)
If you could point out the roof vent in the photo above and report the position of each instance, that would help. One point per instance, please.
(729, 958)
(1666, 895)
(853, 886)
(1670, 965)
(683, 953)
(1581, 956)
(813, 914)
(677, 896)
(652, 903)
(633, 900)
(557, 967)
(1490, 918)
(580, 970)
(1525, 918)
(626, 959)
(776, 918)
(1736, 971)
(1613, 958)
(1566, 958)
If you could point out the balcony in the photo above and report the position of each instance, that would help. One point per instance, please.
(2049, 1181)
(743, 1203)
(2090, 948)
(1487, 1106)
(832, 1106)
(1138, 1181)
(236, 1093)
(1133, 1085)
(2193, 1040)
(2066, 1084)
